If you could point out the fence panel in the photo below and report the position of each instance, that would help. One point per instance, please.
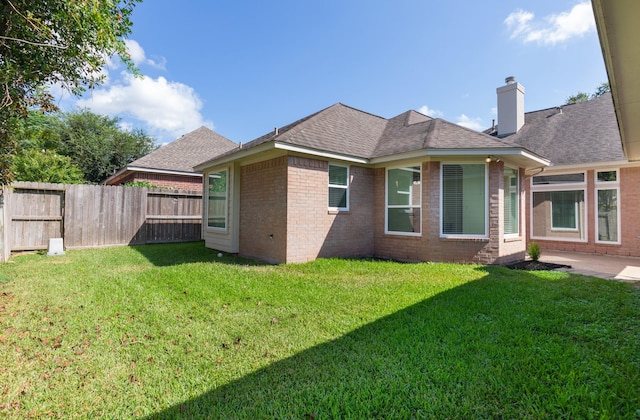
(97, 215)
(173, 216)
(35, 215)
(100, 215)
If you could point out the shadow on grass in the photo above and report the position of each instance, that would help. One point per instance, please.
(162, 255)
(494, 347)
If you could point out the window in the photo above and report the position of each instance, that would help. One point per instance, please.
(217, 196)
(511, 202)
(559, 179)
(464, 200)
(607, 193)
(403, 200)
(564, 210)
(558, 207)
(338, 187)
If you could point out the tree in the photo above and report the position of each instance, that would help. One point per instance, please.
(64, 42)
(582, 97)
(97, 145)
(45, 166)
(602, 89)
(579, 97)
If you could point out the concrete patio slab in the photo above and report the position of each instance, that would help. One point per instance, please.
(603, 266)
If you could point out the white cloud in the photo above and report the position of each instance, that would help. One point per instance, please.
(125, 126)
(555, 28)
(472, 123)
(167, 108)
(425, 110)
(139, 57)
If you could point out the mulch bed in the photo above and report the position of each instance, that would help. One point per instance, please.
(535, 266)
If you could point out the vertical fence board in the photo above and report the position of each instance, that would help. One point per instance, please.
(95, 215)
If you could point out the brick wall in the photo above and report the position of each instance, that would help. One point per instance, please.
(430, 246)
(629, 229)
(263, 210)
(312, 230)
(179, 182)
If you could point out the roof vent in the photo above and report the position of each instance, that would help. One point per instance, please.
(509, 80)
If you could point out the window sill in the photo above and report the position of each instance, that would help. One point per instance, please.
(462, 238)
(338, 211)
(513, 239)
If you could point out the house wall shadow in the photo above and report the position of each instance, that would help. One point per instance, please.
(454, 335)
(168, 254)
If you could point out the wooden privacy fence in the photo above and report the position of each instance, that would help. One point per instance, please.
(88, 216)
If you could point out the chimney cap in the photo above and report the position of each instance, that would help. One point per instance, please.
(510, 79)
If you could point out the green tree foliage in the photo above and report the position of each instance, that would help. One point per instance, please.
(98, 146)
(43, 42)
(601, 90)
(578, 97)
(37, 130)
(582, 97)
(45, 166)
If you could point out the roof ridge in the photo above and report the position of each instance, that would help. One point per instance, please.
(359, 110)
(433, 133)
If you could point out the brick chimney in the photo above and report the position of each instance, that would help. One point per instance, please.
(510, 107)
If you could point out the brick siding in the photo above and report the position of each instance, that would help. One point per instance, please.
(178, 182)
(629, 230)
(263, 210)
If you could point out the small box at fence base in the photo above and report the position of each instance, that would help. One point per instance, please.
(55, 247)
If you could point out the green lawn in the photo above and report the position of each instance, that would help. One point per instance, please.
(173, 331)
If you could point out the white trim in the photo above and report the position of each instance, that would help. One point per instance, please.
(215, 229)
(345, 187)
(240, 154)
(518, 201)
(486, 204)
(603, 186)
(576, 213)
(412, 155)
(563, 186)
(591, 166)
(387, 206)
(319, 153)
(595, 176)
(505, 152)
(163, 171)
(577, 186)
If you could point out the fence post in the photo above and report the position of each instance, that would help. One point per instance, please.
(5, 250)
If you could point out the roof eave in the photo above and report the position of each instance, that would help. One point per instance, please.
(524, 157)
(618, 32)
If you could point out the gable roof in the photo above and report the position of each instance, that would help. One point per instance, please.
(583, 132)
(183, 154)
(343, 131)
(179, 156)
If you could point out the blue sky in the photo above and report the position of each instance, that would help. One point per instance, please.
(244, 67)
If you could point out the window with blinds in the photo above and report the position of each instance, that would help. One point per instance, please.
(464, 200)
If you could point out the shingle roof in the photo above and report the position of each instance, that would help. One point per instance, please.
(348, 131)
(186, 152)
(584, 132)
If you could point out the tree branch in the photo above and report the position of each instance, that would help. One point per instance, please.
(39, 44)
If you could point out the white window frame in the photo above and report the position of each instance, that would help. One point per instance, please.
(387, 206)
(486, 202)
(576, 212)
(571, 186)
(226, 207)
(518, 192)
(346, 187)
(607, 185)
